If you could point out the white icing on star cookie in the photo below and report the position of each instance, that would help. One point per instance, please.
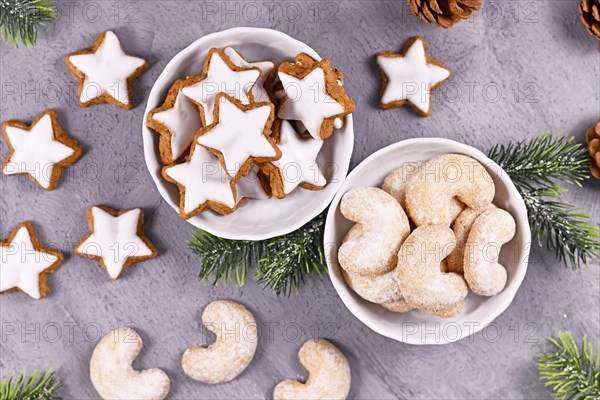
(219, 75)
(410, 77)
(314, 95)
(250, 186)
(177, 121)
(105, 72)
(40, 150)
(117, 239)
(25, 263)
(267, 72)
(203, 184)
(239, 136)
(297, 165)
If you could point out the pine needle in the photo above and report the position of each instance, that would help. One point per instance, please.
(282, 263)
(537, 167)
(571, 372)
(19, 19)
(37, 386)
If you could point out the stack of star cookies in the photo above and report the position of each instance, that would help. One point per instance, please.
(247, 130)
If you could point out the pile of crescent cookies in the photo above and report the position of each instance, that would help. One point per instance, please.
(243, 130)
(427, 237)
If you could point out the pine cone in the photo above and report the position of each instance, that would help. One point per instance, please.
(444, 13)
(593, 139)
(590, 16)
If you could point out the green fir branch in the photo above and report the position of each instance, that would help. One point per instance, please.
(569, 370)
(282, 263)
(291, 258)
(543, 160)
(20, 19)
(538, 167)
(224, 258)
(37, 386)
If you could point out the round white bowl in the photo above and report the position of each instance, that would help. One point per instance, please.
(258, 219)
(417, 327)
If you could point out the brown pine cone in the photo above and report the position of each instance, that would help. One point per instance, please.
(590, 16)
(444, 13)
(593, 139)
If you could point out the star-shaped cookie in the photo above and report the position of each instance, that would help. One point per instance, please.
(105, 73)
(203, 184)
(261, 89)
(177, 121)
(25, 263)
(239, 135)
(117, 239)
(41, 150)
(410, 77)
(297, 165)
(314, 95)
(219, 74)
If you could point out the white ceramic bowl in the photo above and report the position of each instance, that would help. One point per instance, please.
(418, 327)
(260, 219)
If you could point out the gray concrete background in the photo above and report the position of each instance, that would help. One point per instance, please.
(519, 68)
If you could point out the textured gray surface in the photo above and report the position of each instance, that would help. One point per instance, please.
(530, 66)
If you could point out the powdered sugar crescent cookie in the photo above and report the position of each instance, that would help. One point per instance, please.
(261, 90)
(203, 184)
(491, 230)
(233, 350)
(117, 239)
(374, 288)
(219, 75)
(422, 283)
(430, 192)
(177, 120)
(105, 73)
(383, 227)
(329, 378)
(397, 181)
(25, 263)
(461, 227)
(113, 376)
(297, 165)
(314, 95)
(410, 77)
(240, 135)
(41, 150)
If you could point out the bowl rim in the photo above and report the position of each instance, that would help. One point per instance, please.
(149, 139)
(521, 218)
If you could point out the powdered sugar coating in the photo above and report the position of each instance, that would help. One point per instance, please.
(461, 228)
(374, 288)
(329, 378)
(233, 350)
(419, 274)
(114, 378)
(430, 192)
(491, 230)
(453, 312)
(399, 306)
(383, 227)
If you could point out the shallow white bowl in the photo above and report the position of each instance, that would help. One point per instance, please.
(417, 327)
(259, 219)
